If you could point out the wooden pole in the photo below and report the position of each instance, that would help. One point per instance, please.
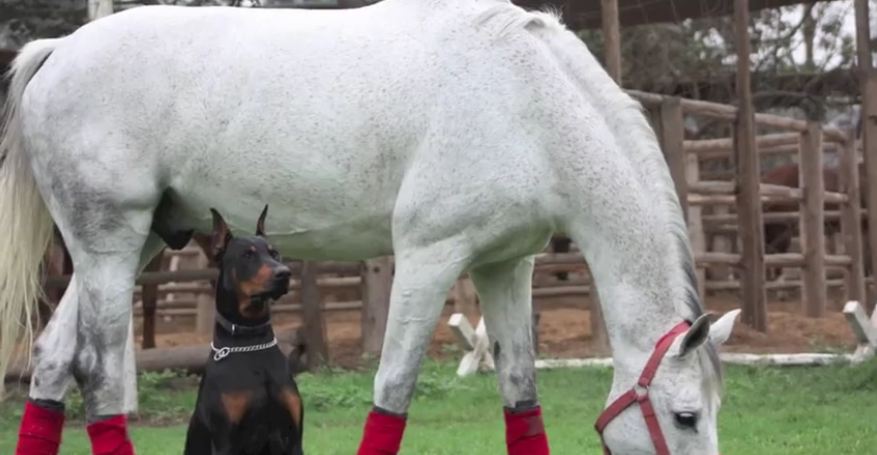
(868, 92)
(205, 302)
(99, 8)
(312, 318)
(672, 139)
(868, 89)
(851, 219)
(813, 221)
(149, 297)
(612, 39)
(747, 173)
(863, 36)
(377, 280)
(695, 223)
(465, 297)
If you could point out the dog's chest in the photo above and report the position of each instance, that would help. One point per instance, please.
(256, 400)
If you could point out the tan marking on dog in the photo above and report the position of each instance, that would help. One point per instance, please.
(236, 404)
(293, 404)
(254, 285)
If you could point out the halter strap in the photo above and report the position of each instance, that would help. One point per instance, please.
(237, 329)
(639, 393)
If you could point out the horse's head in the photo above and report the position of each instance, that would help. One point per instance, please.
(683, 394)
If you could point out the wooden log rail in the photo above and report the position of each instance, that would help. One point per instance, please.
(729, 113)
(769, 192)
(184, 276)
(730, 219)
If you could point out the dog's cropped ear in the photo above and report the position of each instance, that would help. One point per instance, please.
(220, 237)
(260, 225)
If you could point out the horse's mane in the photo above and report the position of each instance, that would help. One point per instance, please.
(634, 135)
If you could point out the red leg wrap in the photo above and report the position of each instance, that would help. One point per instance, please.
(382, 434)
(525, 433)
(110, 437)
(40, 430)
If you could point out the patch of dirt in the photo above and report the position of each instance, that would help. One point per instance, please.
(564, 331)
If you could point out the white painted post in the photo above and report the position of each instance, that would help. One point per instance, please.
(474, 342)
(864, 328)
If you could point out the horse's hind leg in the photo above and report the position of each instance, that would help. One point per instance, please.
(54, 357)
(505, 290)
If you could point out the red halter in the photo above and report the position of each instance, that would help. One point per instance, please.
(639, 393)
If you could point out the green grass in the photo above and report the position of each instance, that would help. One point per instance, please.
(765, 411)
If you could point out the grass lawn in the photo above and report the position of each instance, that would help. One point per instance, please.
(816, 410)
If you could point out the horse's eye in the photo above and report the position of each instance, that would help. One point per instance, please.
(685, 420)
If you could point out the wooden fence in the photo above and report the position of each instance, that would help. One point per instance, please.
(786, 135)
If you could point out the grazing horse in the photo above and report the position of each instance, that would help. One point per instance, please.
(458, 135)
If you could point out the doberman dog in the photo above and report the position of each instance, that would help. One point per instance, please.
(248, 402)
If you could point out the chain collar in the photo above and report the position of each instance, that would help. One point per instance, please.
(221, 353)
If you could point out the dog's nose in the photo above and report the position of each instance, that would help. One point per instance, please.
(282, 273)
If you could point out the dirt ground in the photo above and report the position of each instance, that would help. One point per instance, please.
(564, 331)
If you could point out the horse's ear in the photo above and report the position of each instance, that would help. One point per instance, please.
(260, 225)
(720, 330)
(697, 334)
(220, 237)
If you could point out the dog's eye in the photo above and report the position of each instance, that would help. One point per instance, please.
(274, 254)
(249, 254)
(685, 420)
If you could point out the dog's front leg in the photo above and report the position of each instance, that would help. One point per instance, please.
(198, 441)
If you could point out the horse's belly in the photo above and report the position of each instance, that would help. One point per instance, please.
(311, 215)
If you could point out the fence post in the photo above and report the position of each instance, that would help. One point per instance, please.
(672, 138)
(377, 280)
(313, 319)
(99, 8)
(813, 221)
(851, 218)
(465, 297)
(747, 166)
(868, 91)
(869, 132)
(149, 298)
(205, 302)
(611, 38)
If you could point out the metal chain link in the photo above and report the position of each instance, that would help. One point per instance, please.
(221, 353)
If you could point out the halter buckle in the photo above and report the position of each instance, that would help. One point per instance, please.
(641, 391)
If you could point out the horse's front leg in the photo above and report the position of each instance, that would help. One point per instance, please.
(505, 290)
(423, 277)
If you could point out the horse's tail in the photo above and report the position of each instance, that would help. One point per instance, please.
(25, 223)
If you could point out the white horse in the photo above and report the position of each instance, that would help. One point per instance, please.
(456, 134)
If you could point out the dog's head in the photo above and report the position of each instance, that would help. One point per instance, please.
(250, 271)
